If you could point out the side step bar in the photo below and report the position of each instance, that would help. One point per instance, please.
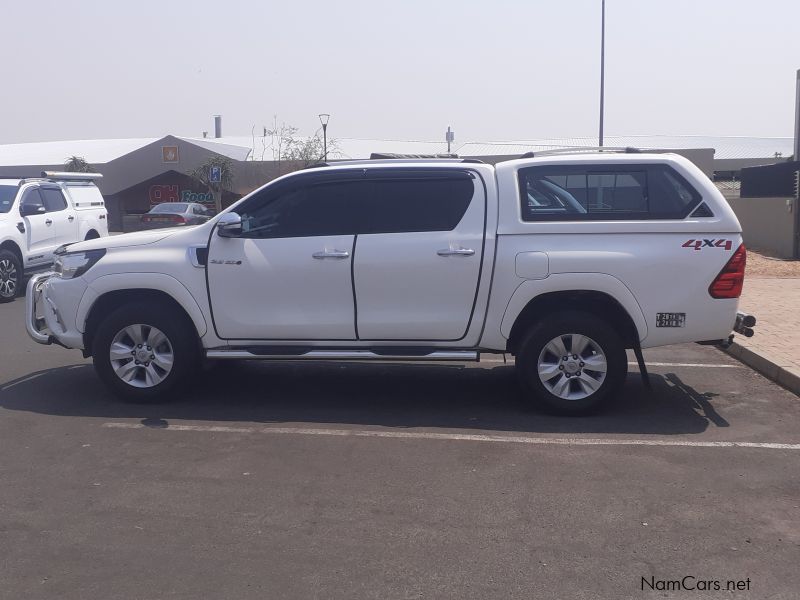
(434, 355)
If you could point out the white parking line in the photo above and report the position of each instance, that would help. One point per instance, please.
(650, 364)
(665, 364)
(464, 437)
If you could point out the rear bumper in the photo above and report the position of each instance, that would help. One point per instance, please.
(744, 324)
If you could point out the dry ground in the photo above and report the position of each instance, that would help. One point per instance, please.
(763, 265)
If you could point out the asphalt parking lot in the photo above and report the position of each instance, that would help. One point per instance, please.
(392, 481)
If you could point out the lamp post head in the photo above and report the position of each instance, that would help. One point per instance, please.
(323, 118)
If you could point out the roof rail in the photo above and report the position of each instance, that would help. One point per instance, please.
(410, 158)
(583, 150)
(55, 176)
(396, 156)
(69, 176)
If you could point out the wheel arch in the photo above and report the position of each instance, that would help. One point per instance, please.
(101, 300)
(92, 234)
(600, 304)
(13, 247)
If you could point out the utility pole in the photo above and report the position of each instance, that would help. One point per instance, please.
(797, 119)
(450, 136)
(602, 68)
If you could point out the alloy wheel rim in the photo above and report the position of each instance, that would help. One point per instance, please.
(8, 278)
(572, 366)
(141, 355)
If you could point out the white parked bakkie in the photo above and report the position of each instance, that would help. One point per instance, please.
(39, 214)
(563, 261)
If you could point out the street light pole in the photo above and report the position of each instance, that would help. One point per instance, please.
(323, 118)
(602, 68)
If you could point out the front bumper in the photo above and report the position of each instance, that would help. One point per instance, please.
(35, 324)
(50, 310)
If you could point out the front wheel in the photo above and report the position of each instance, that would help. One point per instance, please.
(143, 353)
(10, 275)
(572, 363)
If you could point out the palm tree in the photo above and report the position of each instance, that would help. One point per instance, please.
(77, 164)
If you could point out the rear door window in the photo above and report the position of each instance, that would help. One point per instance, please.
(412, 202)
(54, 200)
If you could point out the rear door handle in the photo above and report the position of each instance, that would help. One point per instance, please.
(331, 254)
(70, 218)
(48, 222)
(456, 252)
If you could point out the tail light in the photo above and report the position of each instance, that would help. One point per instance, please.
(178, 219)
(729, 282)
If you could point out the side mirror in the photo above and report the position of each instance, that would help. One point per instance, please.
(29, 210)
(229, 225)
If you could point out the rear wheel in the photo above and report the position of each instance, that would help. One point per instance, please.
(143, 353)
(10, 275)
(573, 363)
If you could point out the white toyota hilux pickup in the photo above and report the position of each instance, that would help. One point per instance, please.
(37, 215)
(563, 261)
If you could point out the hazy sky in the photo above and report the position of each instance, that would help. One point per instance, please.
(493, 69)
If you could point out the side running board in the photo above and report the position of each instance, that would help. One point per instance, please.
(394, 355)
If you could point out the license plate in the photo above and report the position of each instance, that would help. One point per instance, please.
(670, 319)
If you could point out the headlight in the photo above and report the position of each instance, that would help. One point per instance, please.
(74, 264)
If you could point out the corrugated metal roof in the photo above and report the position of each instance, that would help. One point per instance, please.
(221, 146)
(55, 153)
(342, 148)
(724, 146)
(98, 152)
(260, 148)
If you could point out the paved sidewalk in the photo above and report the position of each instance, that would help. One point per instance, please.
(775, 348)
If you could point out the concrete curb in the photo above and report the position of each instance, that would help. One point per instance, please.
(785, 376)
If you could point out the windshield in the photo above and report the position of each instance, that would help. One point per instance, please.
(170, 207)
(7, 195)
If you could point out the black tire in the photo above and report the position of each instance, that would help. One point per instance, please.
(91, 235)
(182, 339)
(10, 276)
(603, 341)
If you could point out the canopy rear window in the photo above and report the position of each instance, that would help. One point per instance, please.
(605, 192)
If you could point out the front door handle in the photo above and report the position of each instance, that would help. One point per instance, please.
(48, 222)
(456, 252)
(70, 218)
(331, 254)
